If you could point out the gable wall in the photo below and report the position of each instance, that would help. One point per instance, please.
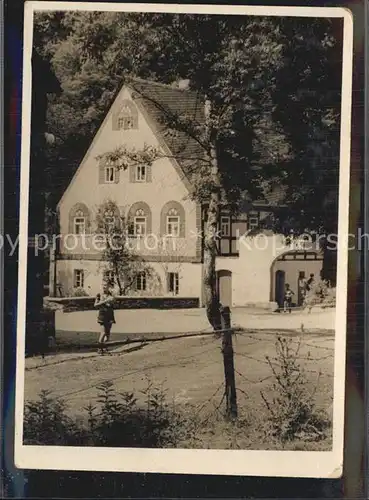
(166, 185)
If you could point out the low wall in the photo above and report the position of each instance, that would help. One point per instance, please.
(87, 303)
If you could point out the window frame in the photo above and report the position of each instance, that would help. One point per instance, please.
(107, 278)
(173, 282)
(171, 225)
(77, 277)
(109, 215)
(255, 216)
(109, 167)
(126, 118)
(136, 225)
(227, 224)
(141, 282)
(138, 173)
(125, 122)
(79, 216)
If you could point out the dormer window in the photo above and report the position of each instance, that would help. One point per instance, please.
(126, 118)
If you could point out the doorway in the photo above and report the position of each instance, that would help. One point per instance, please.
(280, 279)
(224, 282)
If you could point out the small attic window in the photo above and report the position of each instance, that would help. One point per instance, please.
(126, 118)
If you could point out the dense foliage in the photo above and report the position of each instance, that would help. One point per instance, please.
(276, 80)
(257, 79)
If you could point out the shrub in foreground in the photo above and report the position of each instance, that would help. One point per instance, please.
(291, 411)
(320, 294)
(115, 420)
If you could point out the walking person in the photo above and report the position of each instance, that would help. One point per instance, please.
(105, 318)
(287, 303)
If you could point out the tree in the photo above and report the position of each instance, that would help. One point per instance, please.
(307, 90)
(118, 256)
(247, 72)
(230, 83)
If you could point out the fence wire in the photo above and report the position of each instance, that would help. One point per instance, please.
(200, 359)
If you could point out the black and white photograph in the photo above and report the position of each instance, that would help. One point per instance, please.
(183, 239)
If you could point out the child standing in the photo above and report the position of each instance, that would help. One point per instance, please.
(105, 318)
(287, 304)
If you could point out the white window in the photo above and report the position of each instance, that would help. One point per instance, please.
(141, 282)
(225, 226)
(126, 120)
(173, 223)
(141, 173)
(110, 173)
(79, 278)
(109, 220)
(253, 220)
(140, 223)
(79, 222)
(109, 277)
(173, 283)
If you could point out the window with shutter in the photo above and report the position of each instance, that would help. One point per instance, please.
(141, 173)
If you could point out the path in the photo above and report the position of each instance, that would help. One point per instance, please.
(182, 320)
(190, 368)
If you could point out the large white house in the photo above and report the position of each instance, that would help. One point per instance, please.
(156, 199)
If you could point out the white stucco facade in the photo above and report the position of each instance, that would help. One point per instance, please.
(253, 272)
(165, 186)
(246, 279)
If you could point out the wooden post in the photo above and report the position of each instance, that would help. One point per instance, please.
(228, 359)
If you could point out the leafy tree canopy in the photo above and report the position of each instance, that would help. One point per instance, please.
(274, 85)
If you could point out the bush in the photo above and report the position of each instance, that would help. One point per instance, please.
(320, 293)
(80, 292)
(291, 412)
(116, 420)
(46, 423)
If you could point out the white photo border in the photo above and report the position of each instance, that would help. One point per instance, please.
(327, 464)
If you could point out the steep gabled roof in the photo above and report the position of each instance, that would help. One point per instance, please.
(168, 104)
(171, 109)
(177, 114)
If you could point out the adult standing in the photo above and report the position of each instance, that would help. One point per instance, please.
(105, 304)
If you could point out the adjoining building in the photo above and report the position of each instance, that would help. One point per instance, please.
(156, 200)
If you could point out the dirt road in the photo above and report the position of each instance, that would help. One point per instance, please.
(190, 369)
